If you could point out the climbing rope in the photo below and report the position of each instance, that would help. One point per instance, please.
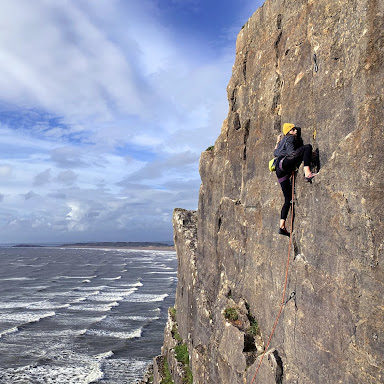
(283, 302)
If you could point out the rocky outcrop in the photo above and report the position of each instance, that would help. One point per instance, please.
(318, 64)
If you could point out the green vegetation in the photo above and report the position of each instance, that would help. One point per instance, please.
(230, 313)
(151, 379)
(174, 331)
(210, 148)
(188, 378)
(182, 356)
(181, 352)
(176, 334)
(172, 312)
(167, 374)
(254, 328)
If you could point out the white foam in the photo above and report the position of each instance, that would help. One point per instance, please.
(8, 331)
(96, 288)
(112, 295)
(94, 307)
(79, 300)
(62, 333)
(111, 278)
(146, 298)
(163, 272)
(141, 318)
(118, 335)
(106, 297)
(71, 373)
(15, 304)
(75, 277)
(25, 318)
(131, 369)
(67, 319)
(46, 305)
(86, 281)
(138, 284)
(32, 305)
(34, 265)
(105, 355)
(17, 278)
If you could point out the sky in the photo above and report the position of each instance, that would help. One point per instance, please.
(105, 108)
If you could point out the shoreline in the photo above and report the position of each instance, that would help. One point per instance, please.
(149, 247)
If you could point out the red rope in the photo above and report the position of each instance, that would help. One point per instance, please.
(285, 282)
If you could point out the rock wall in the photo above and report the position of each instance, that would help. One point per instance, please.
(318, 64)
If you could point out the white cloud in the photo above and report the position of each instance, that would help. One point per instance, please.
(110, 111)
(5, 170)
(42, 178)
(67, 177)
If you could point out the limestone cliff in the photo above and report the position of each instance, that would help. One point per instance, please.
(318, 64)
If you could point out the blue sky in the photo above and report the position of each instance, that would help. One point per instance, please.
(105, 107)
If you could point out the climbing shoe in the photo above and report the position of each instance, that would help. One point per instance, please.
(309, 179)
(283, 231)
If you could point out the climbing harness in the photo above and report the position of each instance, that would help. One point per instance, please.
(293, 294)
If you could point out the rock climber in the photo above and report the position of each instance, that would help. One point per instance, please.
(290, 151)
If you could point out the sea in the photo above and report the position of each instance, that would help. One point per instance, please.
(82, 315)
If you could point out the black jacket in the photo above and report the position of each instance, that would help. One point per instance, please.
(289, 144)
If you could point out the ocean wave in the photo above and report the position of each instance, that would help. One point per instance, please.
(14, 304)
(163, 272)
(140, 318)
(115, 334)
(96, 288)
(79, 300)
(8, 331)
(104, 355)
(33, 265)
(46, 305)
(94, 307)
(67, 319)
(112, 296)
(137, 284)
(75, 277)
(106, 297)
(111, 278)
(25, 318)
(55, 334)
(132, 370)
(17, 278)
(146, 298)
(72, 373)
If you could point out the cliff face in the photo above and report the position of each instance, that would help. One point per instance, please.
(317, 64)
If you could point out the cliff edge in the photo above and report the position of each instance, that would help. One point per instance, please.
(318, 64)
